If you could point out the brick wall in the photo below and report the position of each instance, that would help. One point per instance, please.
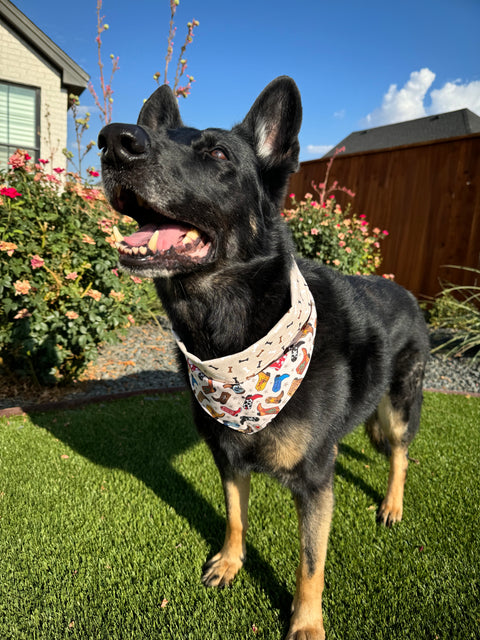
(21, 64)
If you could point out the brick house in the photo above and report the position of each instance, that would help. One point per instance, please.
(36, 78)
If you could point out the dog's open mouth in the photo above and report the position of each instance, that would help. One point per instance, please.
(161, 243)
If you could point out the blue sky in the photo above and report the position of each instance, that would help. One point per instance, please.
(357, 64)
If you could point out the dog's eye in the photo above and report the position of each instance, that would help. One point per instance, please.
(218, 154)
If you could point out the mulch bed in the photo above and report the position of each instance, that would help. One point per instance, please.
(144, 361)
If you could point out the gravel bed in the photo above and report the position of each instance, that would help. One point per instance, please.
(145, 360)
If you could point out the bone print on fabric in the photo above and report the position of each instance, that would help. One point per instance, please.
(246, 390)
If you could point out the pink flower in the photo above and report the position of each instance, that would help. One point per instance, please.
(71, 315)
(362, 217)
(292, 195)
(93, 173)
(59, 170)
(115, 272)
(93, 293)
(385, 232)
(44, 161)
(71, 276)
(136, 280)
(22, 287)
(342, 243)
(348, 250)
(19, 159)
(376, 231)
(23, 313)
(314, 232)
(131, 319)
(37, 262)
(10, 192)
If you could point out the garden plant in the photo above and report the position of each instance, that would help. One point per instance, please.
(457, 310)
(324, 232)
(60, 292)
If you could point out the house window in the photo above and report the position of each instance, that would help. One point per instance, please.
(19, 121)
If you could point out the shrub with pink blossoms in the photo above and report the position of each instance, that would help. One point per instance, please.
(60, 294)
(324, 232)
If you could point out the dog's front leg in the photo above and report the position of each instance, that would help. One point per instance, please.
(222, 568)
(314, 516)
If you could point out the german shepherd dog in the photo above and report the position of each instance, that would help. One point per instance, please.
(208, 206)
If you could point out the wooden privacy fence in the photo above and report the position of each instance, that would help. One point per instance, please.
(426, 195)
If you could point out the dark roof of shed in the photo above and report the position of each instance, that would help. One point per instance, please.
(74, 78)
(438, 127)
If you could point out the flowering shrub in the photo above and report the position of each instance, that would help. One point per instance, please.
(323, 232)
(326, 233)
(60, 292)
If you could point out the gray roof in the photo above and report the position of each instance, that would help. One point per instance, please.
(74, 78)
(444, 125)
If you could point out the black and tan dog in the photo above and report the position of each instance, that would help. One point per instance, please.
(207, 203)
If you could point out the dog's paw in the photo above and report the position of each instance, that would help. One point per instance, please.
(307, 633)
(220, 570)
(389, 512)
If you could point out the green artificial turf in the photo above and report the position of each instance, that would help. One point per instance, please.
(108, 512)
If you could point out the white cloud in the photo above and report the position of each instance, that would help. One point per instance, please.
(403, 104)
(318, 149)
(408, 103)
(454, 95)
(339, 114)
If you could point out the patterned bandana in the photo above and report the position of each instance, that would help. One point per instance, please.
(246, 390)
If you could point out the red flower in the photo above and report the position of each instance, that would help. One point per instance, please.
(10, 192)
(59, 170)
(93, 173)
(44, 161)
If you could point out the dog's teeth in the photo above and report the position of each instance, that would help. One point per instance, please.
(190, 237)
(143, 251)
(117, 235)
(135, 250)
(152, 243)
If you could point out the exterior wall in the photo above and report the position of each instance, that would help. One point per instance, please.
(21, 64)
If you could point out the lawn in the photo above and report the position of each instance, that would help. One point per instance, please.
(108, 512)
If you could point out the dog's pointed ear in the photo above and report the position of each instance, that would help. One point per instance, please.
(160, 110)
(274, 122)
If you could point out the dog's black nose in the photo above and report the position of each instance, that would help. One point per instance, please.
(124, 143)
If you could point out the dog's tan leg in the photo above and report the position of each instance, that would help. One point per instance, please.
(222, 568)
(315, 516)
(391, 509)
(395, 428)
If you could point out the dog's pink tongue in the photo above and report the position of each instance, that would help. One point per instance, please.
(169, 236)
